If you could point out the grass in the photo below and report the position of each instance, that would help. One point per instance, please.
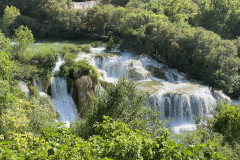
(57, 44)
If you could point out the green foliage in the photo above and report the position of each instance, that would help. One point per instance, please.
(63, 19)
(25, 21)
(156, 6)
(5, 68)
(226, 121)
(200, 53)
(25, 72)
(65, 49)
(10, 15)
(27, 127)
(23, 37)
(220, 16)
(102, 19)
(5, 44)
(42, 114)
(69, 53)
(20, 115)
(32, 64)
(76, 70)
(122, 102)
(44, 58)
(114, 141)
(5, 96)
(110, 44)
(86, 48)
(34, 91)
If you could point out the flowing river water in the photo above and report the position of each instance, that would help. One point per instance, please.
(177, 98)
(62, 101)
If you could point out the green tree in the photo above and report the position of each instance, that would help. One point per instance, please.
(23, 37)
(180, 10)
(156, 6)
(220, 16)
(10, 15)
(63, 19)
(98, 19)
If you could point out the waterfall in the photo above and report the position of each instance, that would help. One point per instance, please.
(122, 66)
(177, 98)
(38, 84)
(62, 101)
(24, 88)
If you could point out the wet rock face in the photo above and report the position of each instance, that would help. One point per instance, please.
(43, 84)
(83, 94)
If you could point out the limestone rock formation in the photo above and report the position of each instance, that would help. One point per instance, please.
(83, 94)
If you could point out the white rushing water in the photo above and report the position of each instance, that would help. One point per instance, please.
(62, 101)
(171, 93)
(24, 88)
(39, 85)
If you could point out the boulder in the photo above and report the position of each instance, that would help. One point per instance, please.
(83, 94)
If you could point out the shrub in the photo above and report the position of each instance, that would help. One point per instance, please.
(114, 140)
(5, 95)
(24, 71)
(42, 59)
(110, 44)
(226, 121)
(5, 69)
(66, 49)
(76, 70)
(86, 48)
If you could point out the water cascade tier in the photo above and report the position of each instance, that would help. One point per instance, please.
(24, 88)
(171, 93)
(62, 101)
(39, 85)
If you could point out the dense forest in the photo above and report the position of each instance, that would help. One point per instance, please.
(200, 38)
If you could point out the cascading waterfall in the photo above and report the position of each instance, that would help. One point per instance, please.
(39, 85)
(24, 88)
(62, 101)
(171, 93)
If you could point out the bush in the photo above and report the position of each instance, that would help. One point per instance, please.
(43, 58)
(24, 72)
(70, 49)
(110, 44)
(69, 53)
(76, 70)
(5, 95)
(43, 114)
(5, 69)
(86, 48)
(226, 121)
(114, 140)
